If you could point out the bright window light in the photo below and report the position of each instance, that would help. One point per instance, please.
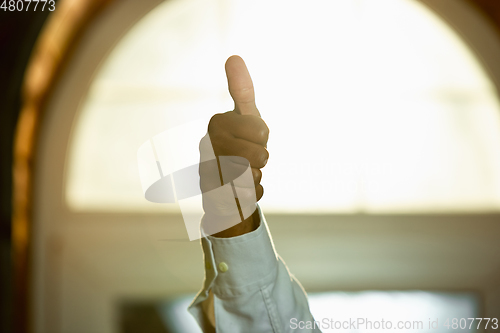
(373, 106)
(412, 310)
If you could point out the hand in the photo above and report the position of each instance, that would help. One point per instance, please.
(238, 139)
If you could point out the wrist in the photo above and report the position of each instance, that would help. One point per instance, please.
(248, 225)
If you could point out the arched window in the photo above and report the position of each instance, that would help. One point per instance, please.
(373, 106)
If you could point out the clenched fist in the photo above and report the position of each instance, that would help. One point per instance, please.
(231, 182)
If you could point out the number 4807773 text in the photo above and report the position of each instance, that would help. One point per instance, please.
(26, 5)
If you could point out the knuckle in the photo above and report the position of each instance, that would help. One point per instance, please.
(259, 189)
(264, 156)
(263, 131)
(258, 156)
(257, 175)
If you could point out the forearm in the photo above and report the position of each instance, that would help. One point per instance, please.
(254, 291)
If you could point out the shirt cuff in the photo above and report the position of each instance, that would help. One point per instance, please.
(241, 264)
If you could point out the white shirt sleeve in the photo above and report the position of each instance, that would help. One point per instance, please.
(248, 287)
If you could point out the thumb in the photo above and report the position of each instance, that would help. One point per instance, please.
(240, 86)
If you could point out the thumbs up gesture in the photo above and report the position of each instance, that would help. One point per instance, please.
(231, 182)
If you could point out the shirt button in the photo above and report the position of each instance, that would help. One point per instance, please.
(223, 267)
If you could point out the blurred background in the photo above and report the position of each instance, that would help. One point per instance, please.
(382, 190)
